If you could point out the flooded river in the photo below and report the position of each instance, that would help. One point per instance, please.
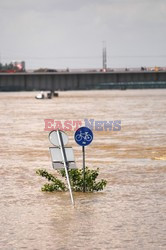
(128, 214)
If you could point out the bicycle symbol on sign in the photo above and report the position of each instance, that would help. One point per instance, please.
(83, 136)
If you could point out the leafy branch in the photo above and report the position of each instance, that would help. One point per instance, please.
(76, 180)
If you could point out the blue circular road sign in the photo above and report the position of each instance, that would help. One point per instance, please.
(83, 136)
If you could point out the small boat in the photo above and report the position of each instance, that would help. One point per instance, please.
(40, 95)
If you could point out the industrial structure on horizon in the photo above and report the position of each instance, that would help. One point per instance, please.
(14, 77)
(12, 67)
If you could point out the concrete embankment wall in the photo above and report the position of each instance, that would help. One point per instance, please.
(75, 81)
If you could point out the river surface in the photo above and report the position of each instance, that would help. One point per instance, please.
(128, 214)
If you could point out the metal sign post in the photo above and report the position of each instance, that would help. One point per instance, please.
(83, 153)
(65, 163)
(83, 136)
(62, 157)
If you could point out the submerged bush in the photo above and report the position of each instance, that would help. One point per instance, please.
(76, 180)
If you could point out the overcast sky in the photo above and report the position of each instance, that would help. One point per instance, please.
(70, 33)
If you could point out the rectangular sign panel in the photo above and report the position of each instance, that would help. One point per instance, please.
(57, 160)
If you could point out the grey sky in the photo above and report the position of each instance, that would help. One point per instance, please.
(69, 33)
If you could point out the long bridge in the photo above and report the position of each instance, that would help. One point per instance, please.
(54, 81)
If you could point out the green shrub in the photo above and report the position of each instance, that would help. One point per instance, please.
(76, 180)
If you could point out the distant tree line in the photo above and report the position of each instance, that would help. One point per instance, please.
(12, 67)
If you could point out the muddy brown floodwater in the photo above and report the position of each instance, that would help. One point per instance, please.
(128, 214)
